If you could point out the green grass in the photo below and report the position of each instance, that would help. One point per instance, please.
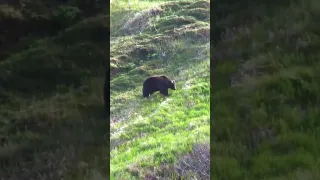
(265, 95)
(148, 136)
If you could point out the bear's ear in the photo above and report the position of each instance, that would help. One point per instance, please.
(173, 81)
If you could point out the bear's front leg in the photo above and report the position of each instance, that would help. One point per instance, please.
(164, 92)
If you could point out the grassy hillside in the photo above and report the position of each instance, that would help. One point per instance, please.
(51, 80)
(266, 91)
(159, 137)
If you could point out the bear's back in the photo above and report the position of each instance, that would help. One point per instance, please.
(151, 81)
(156, 80)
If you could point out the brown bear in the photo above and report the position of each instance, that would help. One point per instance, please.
(157, 83)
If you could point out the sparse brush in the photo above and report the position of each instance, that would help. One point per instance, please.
(197, 162)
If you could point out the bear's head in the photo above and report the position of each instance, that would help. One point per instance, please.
(172, 85)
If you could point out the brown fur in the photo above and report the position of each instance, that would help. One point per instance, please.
(157, 83)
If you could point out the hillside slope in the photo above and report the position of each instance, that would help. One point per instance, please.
(51, 78)
(159, 137)
(265, 97)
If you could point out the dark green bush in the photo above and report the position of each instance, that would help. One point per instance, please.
(66, 15)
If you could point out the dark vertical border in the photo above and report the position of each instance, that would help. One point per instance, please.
(261, 10)
(106, 93)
